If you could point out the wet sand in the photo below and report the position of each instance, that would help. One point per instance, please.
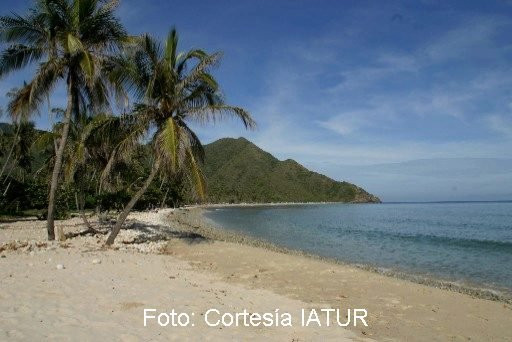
(398, 309)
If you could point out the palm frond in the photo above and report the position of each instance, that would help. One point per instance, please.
(216, 112)
(171, 45)
(203, 66)
(169, 141)
(193, 141)
(17, 57)
(196, 175)
(131, 131)
(185, 58)
(17, 29)
(28, 99)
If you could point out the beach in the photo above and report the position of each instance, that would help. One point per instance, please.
(173, 259)
(255, 171)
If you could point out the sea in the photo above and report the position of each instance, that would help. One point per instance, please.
(468, 244)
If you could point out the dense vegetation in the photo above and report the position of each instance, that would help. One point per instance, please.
(236, 171)
(24, 183)
(82, 46)
(239, 171)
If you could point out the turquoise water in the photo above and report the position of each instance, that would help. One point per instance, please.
(467, 243)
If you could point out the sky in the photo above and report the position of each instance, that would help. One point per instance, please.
(411, 100)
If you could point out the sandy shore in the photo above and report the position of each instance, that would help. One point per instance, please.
(78, 291)
(398, 309)
(175, 260)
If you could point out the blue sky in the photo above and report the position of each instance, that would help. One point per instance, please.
(409, 99)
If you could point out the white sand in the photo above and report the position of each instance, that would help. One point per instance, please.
(100, 295)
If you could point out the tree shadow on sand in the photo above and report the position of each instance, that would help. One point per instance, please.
(144, 233)
(155, 233)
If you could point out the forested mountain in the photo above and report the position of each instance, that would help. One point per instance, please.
(239, 171)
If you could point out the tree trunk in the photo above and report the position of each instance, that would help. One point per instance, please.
(10, 171)
(6, 189)
(11, 150)
(7, 159)
(79, 200)
(76, 202)
(98, 204)
(165, 197)
(50, 225)
(124, 214)
(81, 203)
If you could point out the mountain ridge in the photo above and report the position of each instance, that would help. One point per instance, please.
(239, 171)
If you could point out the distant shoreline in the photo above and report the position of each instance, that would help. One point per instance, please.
(274, 204)
(267, 204)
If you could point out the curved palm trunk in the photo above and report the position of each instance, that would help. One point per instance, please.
(10, 171)
(7, 160)
(122, 217)
(86, 221)
(84, 216)
(80, 206)
(7, 188)
(50, 225)
(165, 197)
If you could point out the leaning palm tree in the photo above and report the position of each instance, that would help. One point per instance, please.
(172, 89)
(72, 39)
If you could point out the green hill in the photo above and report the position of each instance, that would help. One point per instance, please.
(239, 171)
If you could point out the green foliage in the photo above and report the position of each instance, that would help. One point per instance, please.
(113, 200)
(36, 195)
(21, 191)
(239, 171)
(172, 89)
(31, 195)
(236, 171)
(70, 40)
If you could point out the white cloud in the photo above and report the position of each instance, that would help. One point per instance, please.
(346, 123)
(297, 118)
(473, 36)
(501, 124)
(349, 153)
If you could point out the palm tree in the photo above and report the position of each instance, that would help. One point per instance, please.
(172, 89)
(72, 39)
(80, 167)
(79, 164)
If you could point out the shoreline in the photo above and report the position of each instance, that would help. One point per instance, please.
(203, 225)
(399, 309)
(171, 260)
(267, 204)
